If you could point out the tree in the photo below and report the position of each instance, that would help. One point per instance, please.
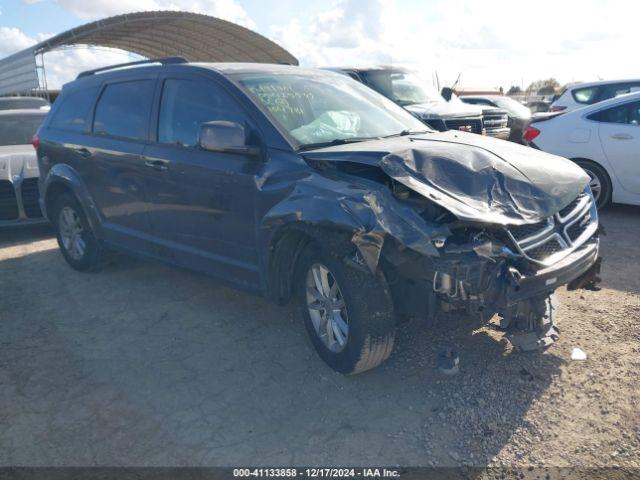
(514, 90)
(544, 87)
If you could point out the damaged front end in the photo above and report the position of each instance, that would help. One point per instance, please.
(475, 238)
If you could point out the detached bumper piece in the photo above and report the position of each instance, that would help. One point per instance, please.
(530, 325)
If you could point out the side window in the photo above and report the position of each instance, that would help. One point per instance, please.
(585, 95)
(626, 114)
(186, 104)
(617, 89)
(73, 112)
(634, 113)
(123, 109)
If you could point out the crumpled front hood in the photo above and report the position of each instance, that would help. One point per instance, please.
(18, 161)
(477, 178)
(444, 110)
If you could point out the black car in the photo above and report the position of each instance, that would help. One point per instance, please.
(519, 115)
(415, 95)
(300, 183)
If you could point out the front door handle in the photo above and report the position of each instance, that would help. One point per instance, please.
(158, 165)
(622, 136)
(84, 152)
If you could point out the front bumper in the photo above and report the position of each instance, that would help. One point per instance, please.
(550, 278)
(502, 133)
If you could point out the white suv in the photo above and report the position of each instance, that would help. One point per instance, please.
(582, 94)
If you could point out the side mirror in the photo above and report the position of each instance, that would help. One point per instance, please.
(227, 137)
(446, 93)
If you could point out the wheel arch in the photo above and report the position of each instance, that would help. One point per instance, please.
(285, 248)
(604, 169)
(62, 179)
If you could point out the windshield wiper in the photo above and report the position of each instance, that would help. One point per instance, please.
(335, 141)
(404, 133)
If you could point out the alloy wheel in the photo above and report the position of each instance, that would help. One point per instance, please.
(327, 308)
(71, 231)
(595, 184)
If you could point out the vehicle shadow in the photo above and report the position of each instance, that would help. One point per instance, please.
(622, 226)
(141, 364)
(24, 234)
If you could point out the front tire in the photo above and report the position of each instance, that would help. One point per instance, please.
(76, 239)
(348, 311)
(600, 182)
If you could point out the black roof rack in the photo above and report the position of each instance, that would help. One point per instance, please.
(162, 61)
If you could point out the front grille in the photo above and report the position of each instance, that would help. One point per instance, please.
(499, 122)
(31, 197)
(524, 231)
(571, 207)
(577, 228)
(545, 250)
(8, 201)
(547, 241)
(469, 124)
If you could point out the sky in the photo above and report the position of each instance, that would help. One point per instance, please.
(489, 44)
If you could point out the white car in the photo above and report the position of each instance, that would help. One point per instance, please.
(19, 194)
(604, 139)
(582, 94)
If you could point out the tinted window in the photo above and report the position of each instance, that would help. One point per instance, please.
(186, 104)
(617, 89)
(73, 112)
(123, 109)
(18, 129)
(627, 114)
(585, 95)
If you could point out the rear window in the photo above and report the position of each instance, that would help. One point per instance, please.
(123, 110)
(18, 129)
(73, 112)
(586, 95)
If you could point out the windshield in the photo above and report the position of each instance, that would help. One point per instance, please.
(404, 88)
(327, 107)
(18, 129)
(513, 107)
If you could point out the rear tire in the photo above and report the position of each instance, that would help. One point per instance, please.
(600, 182)
(76, 239)
(368, 331)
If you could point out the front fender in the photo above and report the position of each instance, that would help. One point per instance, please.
(368, 213)
(62, 177)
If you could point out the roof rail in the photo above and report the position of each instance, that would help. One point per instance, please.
(162, 61)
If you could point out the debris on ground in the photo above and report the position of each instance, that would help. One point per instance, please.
(577, 354)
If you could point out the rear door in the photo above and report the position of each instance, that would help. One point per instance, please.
(115, 170)
(201, 202)
(619, 131)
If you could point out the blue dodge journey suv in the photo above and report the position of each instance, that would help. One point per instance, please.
(298, 183)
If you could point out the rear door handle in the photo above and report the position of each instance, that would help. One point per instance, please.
(622, 136)
(158, 165)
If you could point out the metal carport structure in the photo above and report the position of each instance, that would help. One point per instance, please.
(196, 37)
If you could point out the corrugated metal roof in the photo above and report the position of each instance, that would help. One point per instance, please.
(198, 38)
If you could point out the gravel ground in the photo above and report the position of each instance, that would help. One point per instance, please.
(141, 364)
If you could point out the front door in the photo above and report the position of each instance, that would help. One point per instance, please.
(619, 133)
(201, 203)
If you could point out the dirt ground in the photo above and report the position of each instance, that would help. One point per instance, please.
(141, 364)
